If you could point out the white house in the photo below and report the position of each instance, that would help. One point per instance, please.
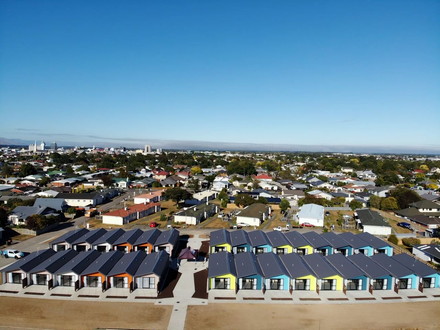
(220, 182)
(311, 213)
(194, 215)
(372, 222)
(427, 252)
(254, 214)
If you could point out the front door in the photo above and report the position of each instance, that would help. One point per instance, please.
(118, 282)
(328, 285)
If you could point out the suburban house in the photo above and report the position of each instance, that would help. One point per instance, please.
(53, 203)
(377, 244)
(416, 216)
(95, 275)
(300, 245)
(302, 278)
(84, 243)
(338, 243)
(259, 242)
(240, 241)
(195, 214)
(354, 277)
(21, 213)
(128, 214)
(151, 273)
(220, 183)
(428, 277)
(427, 208)
(254, 214)
(263, 177)
(146, 241)
(405, 278)
(427, 252)
(105, 242)
(206, 195)
(320, 194)
(319, 244)
(329, 279)
(220, 240)
(311, 213)
(125, 242)
(279, 243)
(249, 274)
(372, 222)
(65, 241)
(222, 274)
(358, 244)
(379, 277)
(82, 199)
(276, 276)
(168, 241)
(122, 274)
(151, 197)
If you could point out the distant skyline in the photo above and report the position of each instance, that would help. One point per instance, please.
(327, 76)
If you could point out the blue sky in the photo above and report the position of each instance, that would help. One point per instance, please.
(317, 73)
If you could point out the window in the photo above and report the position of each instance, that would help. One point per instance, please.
(280, 251)
(382, 251)
(352, 284)
(259, 250)
(428, 282)
(301, 252)
(118, 282)
(274, 284)
(144, 248)
(363, 251)
(61, 247)
(222, 283)
(248, 284)
(322, 251)
(93, 281)
(329, 285)
(302, 285)
(241, 249)
(81, 248)
(380, 284)
(16, 278)
(41, 279)
(344, 251)
(405, 283)
(121, 248)
(219, 248)
(101, 248)
(66, 280)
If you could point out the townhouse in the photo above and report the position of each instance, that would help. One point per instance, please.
(354, 277)
(128, 214)
(302, 278)
(329, 279)
(379, 278)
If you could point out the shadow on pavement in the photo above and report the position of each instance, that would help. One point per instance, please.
(170, 283)
(200, 281)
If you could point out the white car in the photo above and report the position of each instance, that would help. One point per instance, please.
(13, 254)
(242, 224)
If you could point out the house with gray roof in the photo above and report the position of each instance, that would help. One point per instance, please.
(276, 276)
(168, 240)
(21, 213)
(122, 274)
(358, 244)
(222, 274)
(377, 244)
(254, 215)
(249, 274)
(354, 277)
(329, 279)
(338, 243)
(302, 278)
(220, 240)
(319, 244)
(146, 241)
(240, 241)
(259, 242)
(372, 222)
(405, 278)
(427, 208)
(428, 277)
(427, 252)
(279, 243)
(53, 203)
(95, 275)
(196, 214)
(105, 242)
(299, 243)
(84, 243)
(151, 273)
(125, 242)
(65, 241)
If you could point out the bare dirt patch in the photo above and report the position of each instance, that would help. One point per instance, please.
(384, 316)
(76, 315)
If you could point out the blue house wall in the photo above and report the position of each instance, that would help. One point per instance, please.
(414, 282)
(364, 281)
(370, 250)
(286, 281)
(389, 281)
(269, 248)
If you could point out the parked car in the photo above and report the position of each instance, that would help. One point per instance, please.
(404, 225)
(279, 228)
(307, 224)
(13, 254)
(153, 224)
(242, 224)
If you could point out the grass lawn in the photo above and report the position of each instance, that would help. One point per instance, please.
(276, 220)
(393, 220)
(217, 223)
(332, 219)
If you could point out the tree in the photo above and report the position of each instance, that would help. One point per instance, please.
(393, 239)
(71, 210)
(26, 169)
(389, 204)
(262, 200)
(163, 217)
(375, 201)
(284, 205)
(404, 196)
(7, 170)
(194, 185)
(176, 194)
(69, 169)
(107, 180)
(156, 184)
(36, 221)
(196, 170)
(244, 200)
(3, 217)
(354, 204)
(424, 168)
(44, 181)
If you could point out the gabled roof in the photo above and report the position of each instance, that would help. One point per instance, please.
(148, 236)
(315, 239)
(247, 264)
(221, 263)
(109, 237)
(129, 237)
(354, 240)
(432, 250)
(311, 211)
(271, 265)
(425, 204)
(70, 236)
(25, 211)
(30, 261)
(296, 239)
(129, 263)
(344, 266)
(258, 238)
(55, 262)
(336, 241)
(104, 263)
(276, 238)
(320, 266)
(168, 236)
(239, 237)
(77, 195)
(253, 210)
(154, 263)
(395, 268)
(221, 236)
(371, 218)
(295, 265)
(90, 237)
(372, 241)
(54, 203)
(370, 268)
(419, 268)
(79, 263)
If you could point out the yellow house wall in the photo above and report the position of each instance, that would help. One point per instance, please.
(312, 281)
(338, 281)
(228, 247)
(232, 280)
(308, 247)
(288, 247)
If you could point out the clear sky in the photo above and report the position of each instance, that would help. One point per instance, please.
(318, 73)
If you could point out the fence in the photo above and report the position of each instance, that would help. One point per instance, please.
(400, 250)
(24, 231)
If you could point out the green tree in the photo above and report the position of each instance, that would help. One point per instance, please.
(194, 185)
(3, 217)
(176, 194)
(44, 181)
(244, 200)
(262, 200)
(156, 184)
(27, 169)
(71, 210)
(36, 221)
(393, 239)
(354, 204)
(69, 169)
(389, 204)
(7, 170)
(284, 205)
(107, 180)
(375, 201)
(163, 217)
(405, 196)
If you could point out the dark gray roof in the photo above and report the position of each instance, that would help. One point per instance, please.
(168, 236)
(55, 262)
(79, 263)
(54, 203)
(129, 237)
(315, 239)
(395, 268)
(90, 237)
(129, 263)
(239, 237)
(425, 204)
(296, 239)
(109, 237)
(70, 236)
(246, 265)
(77, 195)
(371, 268)
(104, 263)
(354, 241)
(221, 263)
(25, 211)
(432, 250)
(271, 265)
(344, 266)
(220, 236)
(295, 265)
(258, 238)
(371, 218)
(30, 261)
(154, 263)
(419, 268)
(372, 241)
(254, 210)
(320, 266)
(148, 236)
(335, 240)
(276, 238)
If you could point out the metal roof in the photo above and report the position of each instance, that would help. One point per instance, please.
(220, 236)
(55, 262)
(154, 263)
(54, 203)
(90, 237)
(30, 261)
(315, 239)
(354, 240)
(109, 237)
(148, 236)
(372, 241)
(246, 265)
(419, 268)
(239, 237)
(70, 236)
(311, 211)
(221, 263)
(295, 265)
(395, 268)
(79, 263)
(344, 266)
(296, 239)
(371, 218)
(320, 266)
(271, 265)
(129, 263)
(129, 237)
(335, 240)
(253, 210)
(258, 238)
(276, 238)
(168, 236)
(104, 263)
(431, 250)
(370, 268)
